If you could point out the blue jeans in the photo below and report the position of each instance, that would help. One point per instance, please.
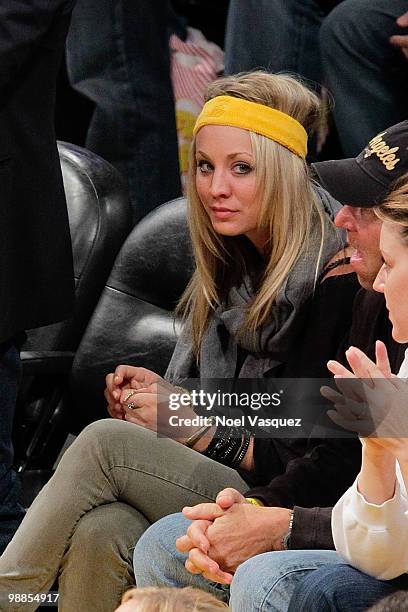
(264, 583)
(11, 512)
(348, 50)
(286, 35)
(342, 589)
(366, 75)
(118, 57)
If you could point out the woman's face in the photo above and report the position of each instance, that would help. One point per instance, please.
(392, 279)
(226, 181)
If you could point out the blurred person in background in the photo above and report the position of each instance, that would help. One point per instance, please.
(353, 47)
(36, 273)
(153, 599)
(118, 56)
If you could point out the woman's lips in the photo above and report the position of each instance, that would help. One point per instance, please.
(222, 213)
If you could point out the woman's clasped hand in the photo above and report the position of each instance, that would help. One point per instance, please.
(142, 397)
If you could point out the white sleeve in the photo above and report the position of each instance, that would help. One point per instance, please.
(372, 538)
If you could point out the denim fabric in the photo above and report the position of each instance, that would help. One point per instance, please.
(118, 57)
(342, 589)
(348, 50)
(157, 562)
(367, 76)
(11, 512)
(264, 583)
(286, 35)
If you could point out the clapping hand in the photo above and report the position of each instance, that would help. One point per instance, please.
(372, 401)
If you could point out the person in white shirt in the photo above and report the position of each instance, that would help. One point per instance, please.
(370, 521)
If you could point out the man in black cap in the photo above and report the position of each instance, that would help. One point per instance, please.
(368, 178)
(267, 581)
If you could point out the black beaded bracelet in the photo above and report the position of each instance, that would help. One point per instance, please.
(219, 437)
(220, 445)
(242, 451)
(230, 451)
(228, 446)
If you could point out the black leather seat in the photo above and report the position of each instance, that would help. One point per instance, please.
(133, 322)
(100, 218)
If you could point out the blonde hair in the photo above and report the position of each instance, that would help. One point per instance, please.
(395, 207)
(285, 191)
(189, 599)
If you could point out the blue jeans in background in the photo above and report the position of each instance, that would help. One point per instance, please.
(367, 76)
(342, 588)
(11, 512)
(118, 57)
(262, 584)
(286, 37)
(348, 50)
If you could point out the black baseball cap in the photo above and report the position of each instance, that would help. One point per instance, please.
(365, 180)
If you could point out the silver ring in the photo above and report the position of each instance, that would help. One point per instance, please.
(131, 406)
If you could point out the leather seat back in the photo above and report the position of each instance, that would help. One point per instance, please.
(100, 218)
(133, 322)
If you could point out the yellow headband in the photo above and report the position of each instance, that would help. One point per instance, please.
(236, 112)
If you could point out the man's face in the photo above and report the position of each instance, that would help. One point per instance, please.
(363, 233)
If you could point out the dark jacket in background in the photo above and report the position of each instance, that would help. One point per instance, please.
(36, 274)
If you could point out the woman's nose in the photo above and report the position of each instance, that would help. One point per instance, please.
(379, 282)
(220, 186)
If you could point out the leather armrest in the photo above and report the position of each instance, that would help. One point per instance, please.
(46, 362)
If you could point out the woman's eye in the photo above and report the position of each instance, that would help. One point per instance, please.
(204, 166)
(242, 168)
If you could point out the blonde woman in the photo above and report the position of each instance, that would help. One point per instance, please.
(153, 599)
(262, 236)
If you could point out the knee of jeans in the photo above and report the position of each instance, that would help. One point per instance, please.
(347, 25)
(249, 573)
(243, 580)
(113, 528)
(337, 24)
(268, 568)
(92, 532)
(158, 543)
(325, 582)
(96, 436)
